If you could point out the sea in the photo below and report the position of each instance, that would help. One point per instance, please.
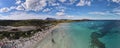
(84, 34)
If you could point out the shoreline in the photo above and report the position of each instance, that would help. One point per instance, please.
(30, 42)
(57, 39)
(49, 32)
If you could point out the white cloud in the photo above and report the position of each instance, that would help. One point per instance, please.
(47, 10)
(22, 16)
(117, 1)
(88, 3)
(97, 13)
(62, 10)
(83, 3)
(40, 5)
(18, 2)
(116, 11)
(70, 16)
(12, 7)
(4, 9)
(60, 13)
(55, 4)
(35, 5)
(20, 7)
(72, 1)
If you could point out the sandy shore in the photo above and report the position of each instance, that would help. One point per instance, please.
(48, 32)
(27, 42)
(57, 39)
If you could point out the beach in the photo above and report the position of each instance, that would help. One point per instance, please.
(57, 39)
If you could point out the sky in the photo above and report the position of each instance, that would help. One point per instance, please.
(61, 9)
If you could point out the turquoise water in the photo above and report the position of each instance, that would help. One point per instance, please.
(86, 34)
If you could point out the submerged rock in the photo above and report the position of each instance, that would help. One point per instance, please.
(53, 41)
(95, 40)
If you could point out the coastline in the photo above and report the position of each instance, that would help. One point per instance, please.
(58, 38)
(30, 42)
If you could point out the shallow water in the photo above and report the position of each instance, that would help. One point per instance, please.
(87, 34)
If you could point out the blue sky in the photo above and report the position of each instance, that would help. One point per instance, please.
(69, 9)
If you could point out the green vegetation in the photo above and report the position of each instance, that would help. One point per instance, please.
(30, 22)
(16, 35)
